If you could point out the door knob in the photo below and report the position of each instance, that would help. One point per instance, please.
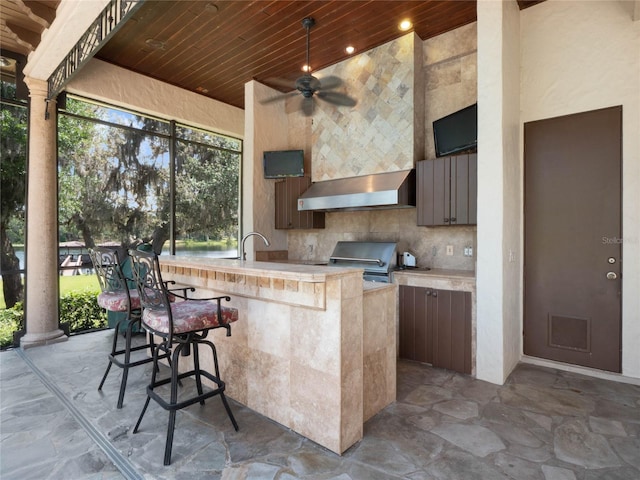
(611, 275)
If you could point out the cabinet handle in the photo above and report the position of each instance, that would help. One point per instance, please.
(435, 294)
(428, 293)
(453, 219)
(446, 220)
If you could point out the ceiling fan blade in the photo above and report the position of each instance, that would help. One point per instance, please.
(277, 98)
(337, 98)
(330, 82)
(279, 84)
(310, 86)
(307, 106)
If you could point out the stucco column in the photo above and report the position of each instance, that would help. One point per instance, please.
(41, 308)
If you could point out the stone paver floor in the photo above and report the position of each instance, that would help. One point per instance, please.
(542, 424)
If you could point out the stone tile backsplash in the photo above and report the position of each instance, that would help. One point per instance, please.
(428, 244)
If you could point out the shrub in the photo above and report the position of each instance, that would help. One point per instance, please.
(79, 310)
(11, 320)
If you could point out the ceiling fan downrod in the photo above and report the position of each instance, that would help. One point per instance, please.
(307, 23)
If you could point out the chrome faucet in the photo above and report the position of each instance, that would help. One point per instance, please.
(243, 253)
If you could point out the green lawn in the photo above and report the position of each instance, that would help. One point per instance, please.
(68, 284)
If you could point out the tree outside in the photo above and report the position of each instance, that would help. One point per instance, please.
(13, 147)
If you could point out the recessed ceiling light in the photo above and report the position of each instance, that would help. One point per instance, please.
(405, 25)
(350, 49)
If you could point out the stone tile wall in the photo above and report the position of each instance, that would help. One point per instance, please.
(378, 134)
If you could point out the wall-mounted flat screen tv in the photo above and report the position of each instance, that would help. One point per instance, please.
(283, 163)
(456, 132)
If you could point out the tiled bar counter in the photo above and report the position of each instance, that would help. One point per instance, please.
(314, 347)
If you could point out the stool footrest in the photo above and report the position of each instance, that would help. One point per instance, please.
(190, 401)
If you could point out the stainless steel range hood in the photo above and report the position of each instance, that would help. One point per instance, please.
(381, 190)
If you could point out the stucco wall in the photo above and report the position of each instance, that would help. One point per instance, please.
(497, 280)
(585, 55)
(266, 129)
(114, 85)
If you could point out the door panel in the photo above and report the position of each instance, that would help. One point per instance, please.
(416, 331)
(572, 311)
(425, 180)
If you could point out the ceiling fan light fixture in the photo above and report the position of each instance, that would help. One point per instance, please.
(405, 25)
(306, 68)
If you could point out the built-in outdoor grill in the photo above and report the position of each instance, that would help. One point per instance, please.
(378, 259)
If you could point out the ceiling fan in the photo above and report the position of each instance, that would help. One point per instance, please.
(312, 87)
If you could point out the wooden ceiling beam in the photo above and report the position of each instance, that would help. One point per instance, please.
(27, 38)
(40, 12)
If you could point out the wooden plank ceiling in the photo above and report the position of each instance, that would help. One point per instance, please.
(213, 47)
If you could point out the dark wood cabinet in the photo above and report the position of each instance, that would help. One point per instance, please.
(287, 192)
(435, 327)
(447, 190)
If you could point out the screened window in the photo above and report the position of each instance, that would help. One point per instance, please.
(118, 174)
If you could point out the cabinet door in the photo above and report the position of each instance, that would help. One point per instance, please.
(451, 313)
(433, 192)
(463, 189)
(416, 329)
(473, 189)
(283, 209)
(287, 192)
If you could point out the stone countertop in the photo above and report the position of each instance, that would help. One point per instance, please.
(464, 280)
(290, 271)
(373, 286)
(438, 272)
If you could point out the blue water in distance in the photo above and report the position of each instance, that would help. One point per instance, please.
(187, 252)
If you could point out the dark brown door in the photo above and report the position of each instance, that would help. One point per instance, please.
(572, 264)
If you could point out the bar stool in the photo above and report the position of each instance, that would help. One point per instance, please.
(116, 297)
(183, 327)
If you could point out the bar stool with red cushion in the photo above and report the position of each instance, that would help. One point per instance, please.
(183, 326)
(117, 297)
